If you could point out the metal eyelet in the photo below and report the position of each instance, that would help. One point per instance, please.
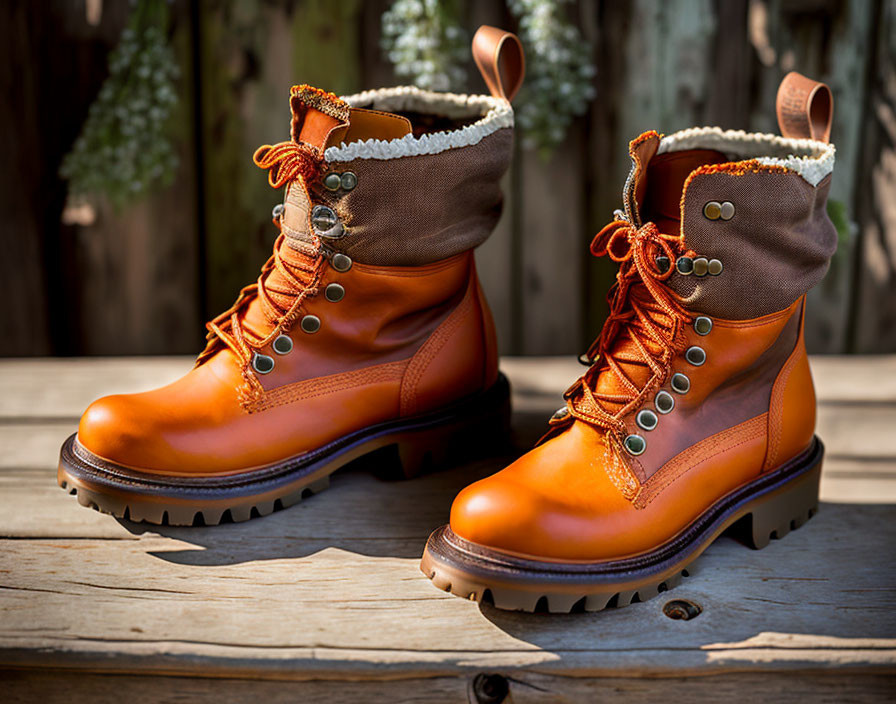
(647, 419)
(685, 266)
(701, 266)
(663, 264)
(715, 267)
(680, 383)
(712, 210)
(664, 402)
(334, 292)
(341, 262)
(326, 223)
(278, 210)
(349, 180)
(332, 181)
(702, 325)
(310, 324)
(635, 445)
(282, 344)
(726, 210)
(262, 364)
(695, 355)
(560, 413)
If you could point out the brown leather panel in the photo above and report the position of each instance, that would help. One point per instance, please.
(776, 247)
(702, 452)
(734, 385)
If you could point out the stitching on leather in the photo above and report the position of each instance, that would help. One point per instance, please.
(758, 322)
(776, 406)
(428, 351)
(321, 386)
(683, 462)
(776, 411)
(618, 470)
(411, 272)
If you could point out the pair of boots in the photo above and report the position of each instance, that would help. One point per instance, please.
(368, 328)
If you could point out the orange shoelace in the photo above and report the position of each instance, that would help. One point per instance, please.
(644, 329)
(285, 281)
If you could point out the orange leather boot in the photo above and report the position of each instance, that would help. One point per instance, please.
(698, 410)
(367, 327)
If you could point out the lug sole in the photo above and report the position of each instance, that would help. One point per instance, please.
(405, 448)
(765, 509)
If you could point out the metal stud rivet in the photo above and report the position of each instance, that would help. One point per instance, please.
(334, 292)
(635, 444)
(726, 211)
(647, 419)
(349, 180)
(560, 413)
(310, 323)
(685, 266)
(715, 267)
(332, 181)
(341, 262)
(262, 363)
(282, 344)
(278, 210)
(680, 383)
(702, 325)
(695, 355)
(663, 264)
(664, 402)
(701, 266)
(712, 210)
(325, 222)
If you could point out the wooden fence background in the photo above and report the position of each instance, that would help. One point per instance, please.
(143, 281)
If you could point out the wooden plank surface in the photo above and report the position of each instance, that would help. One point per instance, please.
(330, 590)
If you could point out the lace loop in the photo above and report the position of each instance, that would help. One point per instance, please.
(643, 311)
(287, 161)
(284, 281)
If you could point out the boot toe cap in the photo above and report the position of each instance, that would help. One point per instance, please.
(111, 428)
(501, 515)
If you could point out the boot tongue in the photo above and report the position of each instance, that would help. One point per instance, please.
(664, 182)
(321, 120)
(653, 193)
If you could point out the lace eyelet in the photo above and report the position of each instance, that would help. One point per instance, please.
(262, 364)
(282, 344)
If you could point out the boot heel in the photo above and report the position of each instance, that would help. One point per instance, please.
(480, 429)
(786, 509)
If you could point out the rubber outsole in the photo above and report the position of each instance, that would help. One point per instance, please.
(765, 509)
(475, 426)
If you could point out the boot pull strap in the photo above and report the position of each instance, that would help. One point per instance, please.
(499, 56)
(805, 108)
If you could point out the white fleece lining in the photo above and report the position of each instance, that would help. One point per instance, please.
(496, 114)
(809, 158)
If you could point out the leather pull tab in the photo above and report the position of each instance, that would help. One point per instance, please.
(805, 108)
(499, 56)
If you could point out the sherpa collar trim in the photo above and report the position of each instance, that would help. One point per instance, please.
(496, 114)
(809, 158)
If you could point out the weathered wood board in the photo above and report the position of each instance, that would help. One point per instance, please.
(325, 599)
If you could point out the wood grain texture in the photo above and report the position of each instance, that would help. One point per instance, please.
(319, 602)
